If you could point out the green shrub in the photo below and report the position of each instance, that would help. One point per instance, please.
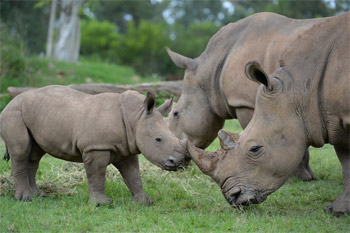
(192, 41)
(12, 60)
(142, 47)
(99, 39)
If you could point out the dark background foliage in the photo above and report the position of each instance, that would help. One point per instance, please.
(134, 33)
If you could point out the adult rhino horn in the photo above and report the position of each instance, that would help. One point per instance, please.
(206, 161)
(182, 61)
(227, 139)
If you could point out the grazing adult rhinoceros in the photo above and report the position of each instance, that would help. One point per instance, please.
(304, 102)
(97, 130)
(215, 85)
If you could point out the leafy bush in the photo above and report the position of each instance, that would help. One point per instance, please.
(12, 60)
(143, 47)
(192, 41)
(99, 39)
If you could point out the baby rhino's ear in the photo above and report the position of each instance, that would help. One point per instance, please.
(227, 139)
(165, 108)
(149, 103)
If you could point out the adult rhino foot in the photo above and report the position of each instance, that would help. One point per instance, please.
(142, 199)
(338, 208)
(305, 173)
(99, 200)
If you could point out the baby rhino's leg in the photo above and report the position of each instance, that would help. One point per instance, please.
(96, 163)
(19, 144)
(33, 164)
(129, 169)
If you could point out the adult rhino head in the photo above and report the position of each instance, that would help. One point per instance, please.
(193, 115)
(253, 164)
(236, 173)
(154, 139)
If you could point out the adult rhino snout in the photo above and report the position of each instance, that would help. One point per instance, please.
(236, 197)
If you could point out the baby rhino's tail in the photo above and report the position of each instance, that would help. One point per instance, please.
(7, 155)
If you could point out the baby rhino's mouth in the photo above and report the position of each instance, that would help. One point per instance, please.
(172, 165)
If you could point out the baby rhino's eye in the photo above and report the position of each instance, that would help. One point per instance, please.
(158, 139)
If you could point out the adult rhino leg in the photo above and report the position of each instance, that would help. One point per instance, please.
(342, 204)
(130, 171)
(304, 171)
(33, 164)
(95, 163)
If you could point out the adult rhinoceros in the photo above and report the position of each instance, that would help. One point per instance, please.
(215, 84)
(304, 102)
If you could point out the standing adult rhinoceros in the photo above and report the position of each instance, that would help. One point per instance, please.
(215, 84)
(304, 102)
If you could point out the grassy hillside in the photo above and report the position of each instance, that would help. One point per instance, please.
(184, 201)
(42, 72)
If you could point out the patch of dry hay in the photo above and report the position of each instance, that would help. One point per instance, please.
(6, 184)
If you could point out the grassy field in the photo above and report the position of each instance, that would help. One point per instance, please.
(42, 72)
(184, 201)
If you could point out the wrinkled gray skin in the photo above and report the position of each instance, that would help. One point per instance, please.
(215, 84)
(304, 102)
(97, 130)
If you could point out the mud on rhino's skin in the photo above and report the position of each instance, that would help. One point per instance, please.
(215, 84)
(97, 130)
(304, 102)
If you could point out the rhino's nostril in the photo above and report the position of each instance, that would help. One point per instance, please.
(233, 194)
(171, 162)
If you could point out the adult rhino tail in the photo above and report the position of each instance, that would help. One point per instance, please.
(7, 155)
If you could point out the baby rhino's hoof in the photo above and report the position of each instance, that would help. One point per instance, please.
(142, 199)
(99, 200)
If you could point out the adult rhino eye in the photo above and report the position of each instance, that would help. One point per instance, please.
(158, 139)
(255, 149)
(176, 113)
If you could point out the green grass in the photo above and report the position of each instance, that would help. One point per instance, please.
(184, 201)
(42, 72)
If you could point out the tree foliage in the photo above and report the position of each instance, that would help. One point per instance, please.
(99, 39)
(27, 21)
(12, 59)
(136, 32)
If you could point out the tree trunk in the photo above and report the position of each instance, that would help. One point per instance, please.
(49, 44)
(68, 42)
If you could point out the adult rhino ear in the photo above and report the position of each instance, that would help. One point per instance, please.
(255, 73)
(182, 61)
(149, 103)
(227, 139)
(165, 108)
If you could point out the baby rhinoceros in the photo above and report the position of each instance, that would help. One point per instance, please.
(97, 130)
